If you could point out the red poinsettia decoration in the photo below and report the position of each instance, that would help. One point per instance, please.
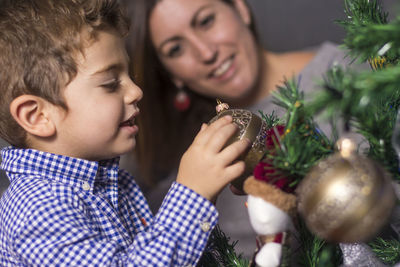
(271, 140)
(264, 170)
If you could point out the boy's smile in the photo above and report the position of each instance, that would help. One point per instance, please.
(129, 124)
(102, 103)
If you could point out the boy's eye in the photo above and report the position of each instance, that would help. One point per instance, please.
(174, 51)
(207, 21)
(112, 86)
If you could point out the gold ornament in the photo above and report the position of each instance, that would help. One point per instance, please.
(346, 198)
(250, 126)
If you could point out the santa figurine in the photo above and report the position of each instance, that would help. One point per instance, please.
(272, 206)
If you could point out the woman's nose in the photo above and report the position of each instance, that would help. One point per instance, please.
(205, 50)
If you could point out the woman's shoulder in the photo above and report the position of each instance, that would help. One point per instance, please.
(327, 55)
(298, 59)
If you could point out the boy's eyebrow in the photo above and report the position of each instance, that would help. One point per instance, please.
(109, 68)
(112, 67)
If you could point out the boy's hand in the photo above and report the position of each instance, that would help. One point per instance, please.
(207, 166)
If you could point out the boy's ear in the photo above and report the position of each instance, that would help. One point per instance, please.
(33, 114)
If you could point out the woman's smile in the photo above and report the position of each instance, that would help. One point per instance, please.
(225, 70)
(198, 49)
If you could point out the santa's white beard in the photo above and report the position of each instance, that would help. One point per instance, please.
(266, 218)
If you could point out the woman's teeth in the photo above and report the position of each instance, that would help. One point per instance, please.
(223, 68)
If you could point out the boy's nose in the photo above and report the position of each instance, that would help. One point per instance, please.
(134, 93)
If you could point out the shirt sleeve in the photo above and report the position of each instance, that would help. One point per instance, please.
(60, 234)
(179, 231)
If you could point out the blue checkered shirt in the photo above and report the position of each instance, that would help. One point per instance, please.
(63, 211)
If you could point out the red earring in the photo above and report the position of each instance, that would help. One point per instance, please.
(182, 101)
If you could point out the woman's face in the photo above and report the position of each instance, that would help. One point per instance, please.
(206, 45)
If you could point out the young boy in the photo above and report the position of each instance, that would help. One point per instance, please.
(68, 108)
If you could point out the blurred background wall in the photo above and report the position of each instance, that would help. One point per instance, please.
(289, 25)
(294, 24)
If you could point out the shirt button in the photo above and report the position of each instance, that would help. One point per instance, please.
(85, 186)
(205, 226)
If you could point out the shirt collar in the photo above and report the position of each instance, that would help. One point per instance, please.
(52, 166)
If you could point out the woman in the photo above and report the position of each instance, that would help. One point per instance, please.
(210, 49)
(207, 49)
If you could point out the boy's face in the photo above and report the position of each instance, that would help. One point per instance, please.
(102, 103)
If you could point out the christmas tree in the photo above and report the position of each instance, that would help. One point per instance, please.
(367, 102)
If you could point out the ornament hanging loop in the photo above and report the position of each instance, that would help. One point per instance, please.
(346, 147)
(221, 106)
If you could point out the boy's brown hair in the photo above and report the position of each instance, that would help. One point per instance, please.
(39, 40)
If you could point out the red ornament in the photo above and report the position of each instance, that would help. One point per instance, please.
(182, 101)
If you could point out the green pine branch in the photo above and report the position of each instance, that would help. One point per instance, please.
(351, 93)
(367, 101)
(364, 12)
(386, 250)
(368, 34)
(303, 144)
(220, 252)
(316, 252)
(271, 120)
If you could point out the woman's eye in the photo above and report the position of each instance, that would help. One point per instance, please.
(207, 20)
(112, 86)
(174, 51)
